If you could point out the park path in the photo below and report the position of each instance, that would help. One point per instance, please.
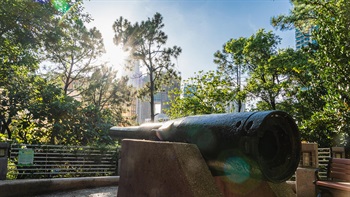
(93, 192)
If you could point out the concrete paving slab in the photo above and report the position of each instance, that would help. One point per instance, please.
(94, 192)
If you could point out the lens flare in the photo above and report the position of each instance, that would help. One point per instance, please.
(240, 178)
(237, 169)
(61, 5)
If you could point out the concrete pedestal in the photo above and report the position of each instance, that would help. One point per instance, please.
(304, 182)
(157, 169)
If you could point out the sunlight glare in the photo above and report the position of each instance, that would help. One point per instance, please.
(116, 57)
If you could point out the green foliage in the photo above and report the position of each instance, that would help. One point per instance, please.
(22, 25)
(36, 110)
(11, 170)
(269, 72)
(282, 79)
(23, 22)
(72, 47)
(145, 42)
(106, 92)
(329, 123)
(14, 98)
(107, 99)
(230, 63)
(55, 118)
(206, 93)
(264, 81)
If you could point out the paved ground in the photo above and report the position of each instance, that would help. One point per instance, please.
(94, 192)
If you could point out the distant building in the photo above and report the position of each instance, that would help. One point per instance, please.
(142, 109)
(162, 99)
(72, 89)
(303, 38)
(188, 90)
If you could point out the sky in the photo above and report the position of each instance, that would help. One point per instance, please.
(199, 27)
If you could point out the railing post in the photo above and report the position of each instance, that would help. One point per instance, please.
(309, 155)
(338, 152)
(305, 174)
(4, 147)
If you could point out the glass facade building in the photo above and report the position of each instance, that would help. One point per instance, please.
(302, 39)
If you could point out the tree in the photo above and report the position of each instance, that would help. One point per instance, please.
(330, 55)
(230, 62)
(276, 78)
(55, 118)
(257, 57)
(205, 93)
(264, 81)
(108, 94)
(23, 26)
(145, 41)
(14, 99)
(35, 109)
(55, 115)
(72, 47)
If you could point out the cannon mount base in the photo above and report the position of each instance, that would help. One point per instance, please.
(158, 168)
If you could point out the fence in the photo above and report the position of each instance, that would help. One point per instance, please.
(324, 154)
(314, 157)
(48, 161)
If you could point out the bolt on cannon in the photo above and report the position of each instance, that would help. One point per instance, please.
(248, 144)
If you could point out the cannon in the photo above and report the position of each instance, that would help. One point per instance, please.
(263, 144)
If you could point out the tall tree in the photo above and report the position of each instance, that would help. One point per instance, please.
(330, 55)
(108, 94)
(264, 77)
(73, 48)
(254, 57)
(230, 61)
(54, 114)
(272, 75)
(145, 41)
(23, 27)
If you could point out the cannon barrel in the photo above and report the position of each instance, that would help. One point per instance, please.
(246, 144)
(145, 131)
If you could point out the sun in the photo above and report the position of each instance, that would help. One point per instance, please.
(116, 56)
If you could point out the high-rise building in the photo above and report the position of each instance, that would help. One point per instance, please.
(303, 38)
(142, 109)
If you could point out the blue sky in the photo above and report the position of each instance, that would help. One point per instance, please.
(199, 27)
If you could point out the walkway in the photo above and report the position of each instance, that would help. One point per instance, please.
(94, 192)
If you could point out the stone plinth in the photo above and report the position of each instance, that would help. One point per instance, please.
(157, 169)
(305, 178)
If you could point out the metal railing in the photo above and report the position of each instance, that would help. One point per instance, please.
(48, 161)
(324, 154)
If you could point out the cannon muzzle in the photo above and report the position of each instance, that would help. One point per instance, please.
(246, 144)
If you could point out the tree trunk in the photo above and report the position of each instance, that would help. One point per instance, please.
(273, 104)
(55, 132)
(152, 94)
(5, 127)
(239, 103)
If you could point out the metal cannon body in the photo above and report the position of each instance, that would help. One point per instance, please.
(248, 144)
